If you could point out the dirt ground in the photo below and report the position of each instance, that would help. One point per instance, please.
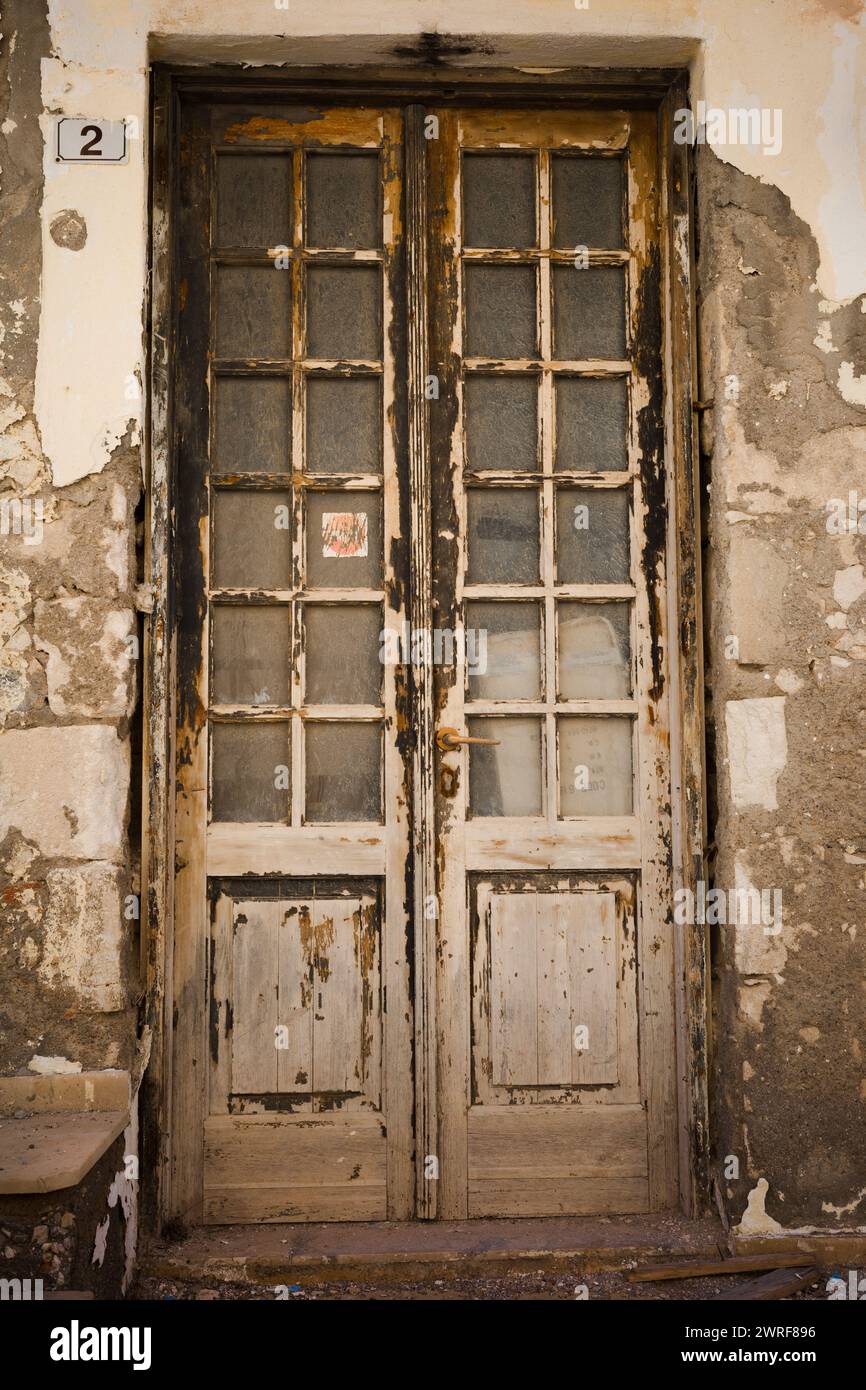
(608, 1286)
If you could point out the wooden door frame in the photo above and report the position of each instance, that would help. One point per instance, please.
(665, 91)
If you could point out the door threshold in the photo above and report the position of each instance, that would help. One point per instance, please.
(391, 1251)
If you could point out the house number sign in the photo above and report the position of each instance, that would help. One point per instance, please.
(90, 140)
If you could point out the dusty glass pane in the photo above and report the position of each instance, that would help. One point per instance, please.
(505, 780)
(343, 772)
(595, 766)
(503, 651)
(592, 539)
(501, 422)
(342, 647)
(343, 200)
(344, 540)
(254, 311)
(252, 424)
(250, 655)
(252, 540)
(254, 200)
(344, 312)
(499, 200)
(344, 425)
(587, 202)
(591, 423)
(593, 651)
(500, 311)
(588, 312)
(250, 766)
(503, 535)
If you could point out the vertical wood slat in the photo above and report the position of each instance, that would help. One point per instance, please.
(592, 951)
(158, 723)
(337, 1022)
(255, 980)
(294, 1014)
(298, 498)
(220, 1084)
(652, 768)
(421, 613)
(548, 501)
(513, 989)
(554, 914)
(396, 1083)
(452, 1032)
(694, 1016)
(190, 771)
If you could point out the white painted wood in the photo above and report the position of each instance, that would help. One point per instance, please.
(234, 849)
(255, 976)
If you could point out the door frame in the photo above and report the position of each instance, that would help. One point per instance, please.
(665, 91)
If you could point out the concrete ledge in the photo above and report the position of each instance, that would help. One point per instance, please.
(83, 1091)
(47, 1152)
(54, 1128)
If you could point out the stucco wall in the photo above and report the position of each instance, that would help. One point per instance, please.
(781, 281)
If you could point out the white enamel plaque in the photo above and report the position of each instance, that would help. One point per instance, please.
(89, 140)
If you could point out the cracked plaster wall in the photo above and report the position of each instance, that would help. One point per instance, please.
(781, 274)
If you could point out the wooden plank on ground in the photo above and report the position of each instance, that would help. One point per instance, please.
(734, 1264)
(780, 1284)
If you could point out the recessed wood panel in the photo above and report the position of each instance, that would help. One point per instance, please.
(567, 1160)
(553, 989)
(294, 1168)
(302, 990)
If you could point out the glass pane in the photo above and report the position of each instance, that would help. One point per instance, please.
(594, 656)
(592, 542)
(344, 540)
(252, 425)
(595, 773)
(254, 311)
(252, 546)
(344, 312)
(503, 535)
(589, 312)
(344, 425)
(587, 202)
(503, 645)
(250, 655)
(500, 422)
(254, 200)
(498, 200)
(591, 423)
(505, 780)
(500, 311)
(343, 200)
(342, 646)
(343, 772)
(250, 771)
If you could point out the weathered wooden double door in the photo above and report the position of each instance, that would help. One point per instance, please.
(422, 946)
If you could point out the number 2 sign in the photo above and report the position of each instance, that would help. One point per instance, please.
(86, 140)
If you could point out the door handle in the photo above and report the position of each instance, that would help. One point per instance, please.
(448, 739)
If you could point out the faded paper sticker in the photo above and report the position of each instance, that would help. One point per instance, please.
(344, 535)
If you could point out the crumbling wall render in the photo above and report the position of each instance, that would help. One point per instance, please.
(69, 646)
(784, 372)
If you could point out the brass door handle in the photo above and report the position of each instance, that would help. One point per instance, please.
(447, 739)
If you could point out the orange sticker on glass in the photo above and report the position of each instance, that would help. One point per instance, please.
(344, 535)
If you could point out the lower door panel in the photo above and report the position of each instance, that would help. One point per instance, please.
(296, 1128)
